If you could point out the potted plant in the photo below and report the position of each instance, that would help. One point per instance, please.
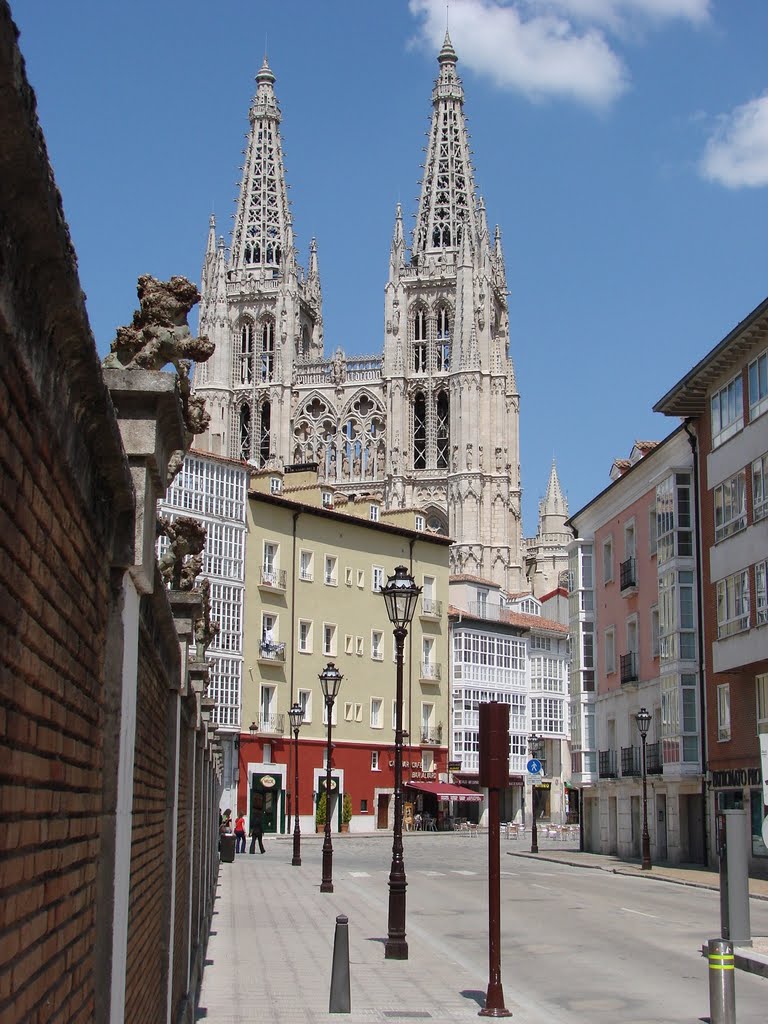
(346, 812)
(320, 812)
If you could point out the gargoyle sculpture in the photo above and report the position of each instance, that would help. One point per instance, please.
(181, 564)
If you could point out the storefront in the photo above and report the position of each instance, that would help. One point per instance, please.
(435, 805)
(740, 789)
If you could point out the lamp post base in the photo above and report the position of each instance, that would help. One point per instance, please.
(396, 949)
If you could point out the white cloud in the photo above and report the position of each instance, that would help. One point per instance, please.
(737, 154)
(550, 47)
(539, 56)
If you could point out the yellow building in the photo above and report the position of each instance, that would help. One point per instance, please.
(314, 564)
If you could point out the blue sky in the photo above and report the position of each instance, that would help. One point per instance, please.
(620, 145)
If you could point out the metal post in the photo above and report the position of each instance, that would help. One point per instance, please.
(722, 985)
(646, 865)
(534, 833)
(494, 997)
(327, 883)
(296, 860)
(396, 947)
(339, 1001)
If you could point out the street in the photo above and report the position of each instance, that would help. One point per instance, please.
(577, 944)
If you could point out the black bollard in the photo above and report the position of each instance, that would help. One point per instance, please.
(722, 990)
(339, 1001)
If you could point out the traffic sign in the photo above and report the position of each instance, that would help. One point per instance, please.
(534, 766)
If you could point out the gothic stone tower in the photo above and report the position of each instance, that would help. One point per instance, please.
(432, 423)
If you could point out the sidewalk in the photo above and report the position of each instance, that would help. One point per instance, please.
(270, 953)
(753, 959)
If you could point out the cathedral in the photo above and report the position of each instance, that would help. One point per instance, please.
(432, 423)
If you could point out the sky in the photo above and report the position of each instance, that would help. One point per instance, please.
(620, 145)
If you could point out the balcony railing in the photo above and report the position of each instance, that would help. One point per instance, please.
(269, 651)
(271, 577)
(654, 765)
(630, 761)
(431, 671)
(629, 667)
(272, 724)
(431, 609)
(628, 574)
(607, 764)
(433, 736)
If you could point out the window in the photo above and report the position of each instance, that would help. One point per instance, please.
(348, 575)
(329, 639)
(267, 349)
(655, 631)
(327, 498)
(349, 642)
(427, 760)
(377, 646)
(269, 572)
(724, 712)
(629, 541)
(732, 604)
(330, 570)
(610, 651)
(546, 714)
(758, 385)
(443, 339)
(333, 720)
(761, 594)
(305, 699)
(760, 488)
(394, 714)
(246, 352)
(652, 530)
(731, 506)
(359, 646)
(419, 524)
(268, 630)
(761, 690)
(305, 636)
(674, 535)
(275, 485)
(306, 566)
(376, 718)
(348, 711)
(361, 578)
(419, 431)
(375, 761)
(373, 513)
(607, 560)
(358, 712)
(377, 578)
(727, 407)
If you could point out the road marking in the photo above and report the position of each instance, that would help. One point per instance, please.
(640, 912)
(359, 874)
(434, 874)
(457, 872)
(536, 885)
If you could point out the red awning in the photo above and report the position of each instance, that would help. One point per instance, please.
(445, 790)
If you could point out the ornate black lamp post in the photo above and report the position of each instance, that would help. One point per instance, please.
(400, 595)
(330, 681)
(296, 717)
(535, 746)
(643, 719)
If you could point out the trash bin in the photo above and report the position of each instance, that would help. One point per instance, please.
(227, 847)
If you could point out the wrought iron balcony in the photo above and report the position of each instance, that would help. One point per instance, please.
(432, 737)
(629, 667)
(269, 651)
(628, 574)
(272, 725)
(269, 576)
(430, 671)
(654, 764)
(607, 764)
(630, 761)
(430, 608)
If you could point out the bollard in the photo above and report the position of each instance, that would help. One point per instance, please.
(339, 1001)
(722, 982)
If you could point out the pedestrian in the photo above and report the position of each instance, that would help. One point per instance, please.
(257, 832)
(240, 833)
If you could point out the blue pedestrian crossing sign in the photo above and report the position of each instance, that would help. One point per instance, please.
(534, 766)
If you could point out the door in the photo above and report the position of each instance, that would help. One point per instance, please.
(265, 802)
(613, 826)
(661, 826)
(382, 811)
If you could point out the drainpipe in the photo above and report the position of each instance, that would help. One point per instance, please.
(411, 542)
(692, 441)
(293, 602)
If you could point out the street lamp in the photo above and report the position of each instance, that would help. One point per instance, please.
(535, 745)
(330, 681)
(643, 719)
(400, 595)
(296, 717)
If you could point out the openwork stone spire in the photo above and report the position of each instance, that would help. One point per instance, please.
(262, 237)
(447, 202)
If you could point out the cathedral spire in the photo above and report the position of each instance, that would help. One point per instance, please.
(553, 508)
(447, 207)
(262, 238)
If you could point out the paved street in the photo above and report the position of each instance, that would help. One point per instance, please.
(577, 944)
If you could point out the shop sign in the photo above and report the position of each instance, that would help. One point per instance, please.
(764, 765)
(732, 778)
(268, 781)
(424, 776)
(334, 783)
(454, 766)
